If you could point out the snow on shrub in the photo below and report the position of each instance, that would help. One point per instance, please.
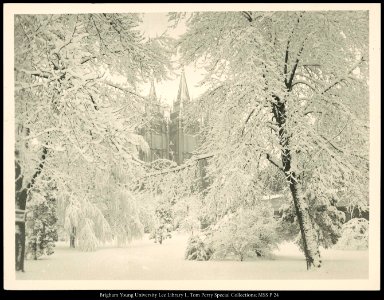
(354, 235)
(327, 221)
(190, 224)
(41, 227)
(246, 233)
(198, 248)
(163, 222)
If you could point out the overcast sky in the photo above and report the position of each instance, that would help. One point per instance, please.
(154, 24)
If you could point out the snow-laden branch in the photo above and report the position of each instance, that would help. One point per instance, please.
(188, 164)
(341, 78)
(287, 51)
(41, 133)
(30, 86)
(58, 49)
(247, 15)
(311, 64)
(246, 120)
(42, 74)
(125, 90)
(86, 59)
(304, 83)
(276, 164)
(293, 72)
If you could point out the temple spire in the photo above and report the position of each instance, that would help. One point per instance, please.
(152, 92)
(183, 94)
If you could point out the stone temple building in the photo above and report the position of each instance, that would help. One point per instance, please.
(167, 139)
(166, 135)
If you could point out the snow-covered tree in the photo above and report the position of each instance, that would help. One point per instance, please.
(355, 235)
(41, 222)
(245, 233)
(187, 214)
(163, 225)
(74, 122)
(289, 89)
(85, 223)
(327, 220)
(198, 248)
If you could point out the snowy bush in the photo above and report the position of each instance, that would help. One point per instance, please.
(190, 224)
(163, 222)
(184, 213)
(246, 233)
(327, 221)
(187, 214)
(41, 229)
(355, 235)
(198, 248)
(147, 218)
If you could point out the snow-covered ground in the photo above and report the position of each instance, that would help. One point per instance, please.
(145, 260)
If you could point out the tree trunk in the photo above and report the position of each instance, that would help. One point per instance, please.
(20, 203)
(203, 163)
(22, 190)
(72, 238)
(21, 196)
(35, 250)
(308, 233)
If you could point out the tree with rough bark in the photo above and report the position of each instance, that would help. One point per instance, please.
(289, 89)
(75, 124)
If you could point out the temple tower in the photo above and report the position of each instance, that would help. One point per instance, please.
(157, 133)
(182, 143)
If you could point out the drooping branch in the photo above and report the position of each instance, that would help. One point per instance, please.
(86, 59)
(247, 15)
(48, 130)
(42, 74)
(188, 164)
(342, 78)
(246, 120)
(304, 83)
(125, 90)
(276, 164)
(340, 150)
(93, 101)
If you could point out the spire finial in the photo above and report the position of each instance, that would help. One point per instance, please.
(183, 94)
(152, 91)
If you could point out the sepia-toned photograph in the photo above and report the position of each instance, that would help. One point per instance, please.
(192, 143)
